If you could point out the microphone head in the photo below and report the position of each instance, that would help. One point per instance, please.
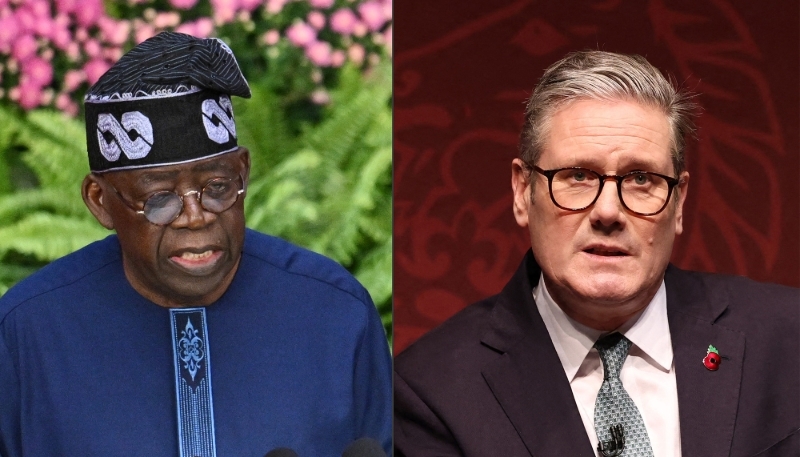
(364, 447)
(281, 452)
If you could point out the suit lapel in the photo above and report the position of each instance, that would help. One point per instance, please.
(707, 400)
(528, 380)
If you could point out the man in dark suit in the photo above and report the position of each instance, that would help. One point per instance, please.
(597, 346)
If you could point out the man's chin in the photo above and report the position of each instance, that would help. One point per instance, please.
(606, 289)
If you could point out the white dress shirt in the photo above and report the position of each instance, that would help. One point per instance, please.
(648, 374)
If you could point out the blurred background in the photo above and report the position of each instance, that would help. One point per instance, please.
(318, 125)
(463, 71)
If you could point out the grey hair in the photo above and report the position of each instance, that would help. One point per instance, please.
(601, 75)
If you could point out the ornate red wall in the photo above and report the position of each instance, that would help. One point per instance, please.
(463, 70)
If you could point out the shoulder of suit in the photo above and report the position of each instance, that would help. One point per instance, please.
(748, 301)
(62, 272)
(457, 341)
(302, 264)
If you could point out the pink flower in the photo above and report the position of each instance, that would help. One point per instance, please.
(64, 103)
(67, 6)
(112, 54)
(164, 20)
(60, 36)
(182, 4)
(114, 32)
(387, 36)
(343, 21)
(44, 26)
(8, 30)
(337, 58)
(356, 54)
(360, 29)
(92, 48)
(320, 97)
(30, 96)
(73, 51)
(26, 19)
(40, 8)
(24, 47)
(275, 6)
(301, 34)
(201, 28)
(224, 10)
(73, 79)
(387, 9)
(81, 34)
(316, 19)
(271, 37)
(372, 14)
(249, 5)
(37, 71)
(319, 53)
(321, 3)
(144, 31)
(89, 12)
(62, 20)
(94, 69)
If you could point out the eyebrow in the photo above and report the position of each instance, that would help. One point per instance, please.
(154, 177)
(213, 166)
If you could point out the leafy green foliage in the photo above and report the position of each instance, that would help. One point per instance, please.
(42, 216)
(329, 186)
(323, 183)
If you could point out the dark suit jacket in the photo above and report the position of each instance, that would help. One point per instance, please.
(488, 382)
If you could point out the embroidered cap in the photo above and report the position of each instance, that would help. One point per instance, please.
(166, 101)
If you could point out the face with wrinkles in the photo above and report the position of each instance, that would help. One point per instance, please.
(190, 261)
(604, 263)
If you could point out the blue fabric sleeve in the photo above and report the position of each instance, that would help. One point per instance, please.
(9, 400)
(373, 381)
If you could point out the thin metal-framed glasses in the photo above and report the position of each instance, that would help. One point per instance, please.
(163, 207)
(641, 192)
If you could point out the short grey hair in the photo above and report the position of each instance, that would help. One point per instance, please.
(601, 75)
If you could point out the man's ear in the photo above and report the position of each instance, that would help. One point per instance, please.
(521, 185)
(681, 190)
(244, 156)
(93, 194)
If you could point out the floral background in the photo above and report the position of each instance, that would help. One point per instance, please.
(462, 73)
(318, 125)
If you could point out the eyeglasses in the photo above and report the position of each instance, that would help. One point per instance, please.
(641, 192)
(163, 207)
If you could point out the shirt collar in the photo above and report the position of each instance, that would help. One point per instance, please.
(648, 330)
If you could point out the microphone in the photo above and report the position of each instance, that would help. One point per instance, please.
(281, 452)
(614, 446)
(364, 447)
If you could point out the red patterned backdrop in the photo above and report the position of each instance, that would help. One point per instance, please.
(463, 70)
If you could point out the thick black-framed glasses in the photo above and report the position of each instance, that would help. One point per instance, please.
(641, 192)
(163, 207)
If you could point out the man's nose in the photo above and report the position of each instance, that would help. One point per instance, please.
(193, 216)
(607, 209)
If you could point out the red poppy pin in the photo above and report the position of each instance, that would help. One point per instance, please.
(712, 359)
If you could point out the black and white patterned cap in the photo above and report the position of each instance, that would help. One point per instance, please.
(166, 101)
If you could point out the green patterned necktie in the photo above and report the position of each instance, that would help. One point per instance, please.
(614, 406)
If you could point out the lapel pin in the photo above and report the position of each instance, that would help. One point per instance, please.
(712, 359)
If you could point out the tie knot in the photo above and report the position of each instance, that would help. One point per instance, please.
(613, 350)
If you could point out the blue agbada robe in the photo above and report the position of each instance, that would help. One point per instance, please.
(298, 355)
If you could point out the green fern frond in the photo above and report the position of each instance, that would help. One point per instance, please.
(17, 205)
(49, 236)
(56, 149)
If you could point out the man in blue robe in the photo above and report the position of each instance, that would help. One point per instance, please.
(185, 334)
